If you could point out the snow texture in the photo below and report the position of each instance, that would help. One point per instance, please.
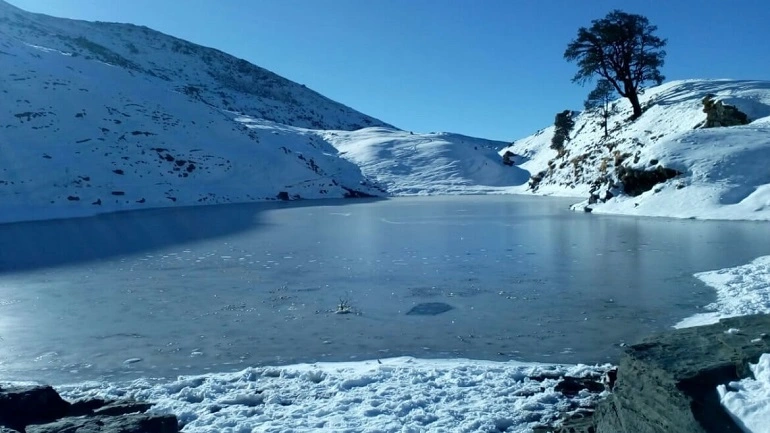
(392, 395)
(748, 400)
(109, 117)
(428, 164)
(741, 290)
(724, 170)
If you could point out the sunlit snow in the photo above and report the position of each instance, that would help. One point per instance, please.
(388, 395)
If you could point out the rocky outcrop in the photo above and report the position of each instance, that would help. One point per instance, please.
(668, 382)
(24, 405)
(719, 114)
(40, 409)
(133, 423)
(508, 158)
(637, 181)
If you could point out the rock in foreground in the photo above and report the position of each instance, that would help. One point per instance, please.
(668, 383)
(40, 409)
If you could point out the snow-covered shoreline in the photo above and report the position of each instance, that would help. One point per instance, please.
(388, 395)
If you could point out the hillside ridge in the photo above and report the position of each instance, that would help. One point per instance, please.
(667, 162)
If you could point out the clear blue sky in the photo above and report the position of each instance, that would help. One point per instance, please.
(488, 68)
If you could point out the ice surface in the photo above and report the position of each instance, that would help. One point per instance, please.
(226, 287)
(388, 395)
(740, 290)
(748, 400)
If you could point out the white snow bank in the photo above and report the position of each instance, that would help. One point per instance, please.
(748, 401)
(725, 176)
(405, 163)
(391, 395)
(741, 290)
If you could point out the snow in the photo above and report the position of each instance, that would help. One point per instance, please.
(109, 117)
(389, 395)
(127, 118)
(741, 291)
(85, 137)
(428, 164)
(748, 400)
(724, 172)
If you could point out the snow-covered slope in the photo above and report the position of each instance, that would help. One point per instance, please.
(724, 170)
(203, 74)
(81, 136)
(101, 117)
(427, 164)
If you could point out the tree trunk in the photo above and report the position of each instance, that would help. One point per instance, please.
(634, 98)
(606, 121)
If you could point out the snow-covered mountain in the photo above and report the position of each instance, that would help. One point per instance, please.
(664, 163)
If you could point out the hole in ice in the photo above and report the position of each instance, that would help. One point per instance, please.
(429, 309)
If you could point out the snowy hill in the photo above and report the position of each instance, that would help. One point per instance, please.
(203, 74)
(82, 137)
(102, 117)
(427, 164)
(665, 163)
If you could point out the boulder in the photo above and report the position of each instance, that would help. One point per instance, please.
(123, 408)
(719, 114)
(668, 382)
(508, 158)
(637, 181)
(135, 423)
(40, 409)
(24, 405)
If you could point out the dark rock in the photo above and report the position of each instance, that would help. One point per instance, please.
(535, 180)
(351, 193)
(429, 309)
(719, 114)
(637, 181)
(136, 423)
(118, 171)
(579, 421)
(85, 407)
(668, 382)
(24, 405)
(508, 158)
(73, 198)
(98, 202)
(283, 195)
(571, 386)
(118, 193)
(123, 408)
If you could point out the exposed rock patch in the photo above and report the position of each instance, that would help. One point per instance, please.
(719, 114)
(636, 182)
(668, 382)
(40, 409)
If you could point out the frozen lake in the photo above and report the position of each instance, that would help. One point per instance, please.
(211, 289)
